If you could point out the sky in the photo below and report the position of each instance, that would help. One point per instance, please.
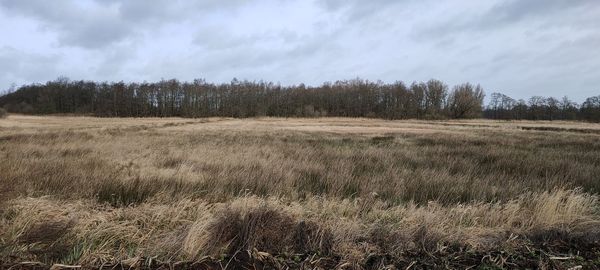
(518, 47)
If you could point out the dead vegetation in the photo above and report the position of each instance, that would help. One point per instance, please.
(276, 193)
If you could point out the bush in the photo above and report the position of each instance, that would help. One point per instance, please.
(3, 113)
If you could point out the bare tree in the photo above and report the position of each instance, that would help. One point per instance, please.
(436, 97)
(466, 101)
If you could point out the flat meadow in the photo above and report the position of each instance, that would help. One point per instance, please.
(299, 192)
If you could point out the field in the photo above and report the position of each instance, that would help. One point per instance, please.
(299, 192)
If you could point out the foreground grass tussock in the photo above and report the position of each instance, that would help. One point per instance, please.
(87, 232)
(307, 193)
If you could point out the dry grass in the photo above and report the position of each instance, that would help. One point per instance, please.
(367, 192)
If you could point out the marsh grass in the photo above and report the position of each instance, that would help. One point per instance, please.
(103, 190)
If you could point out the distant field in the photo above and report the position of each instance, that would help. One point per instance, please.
(299, 192)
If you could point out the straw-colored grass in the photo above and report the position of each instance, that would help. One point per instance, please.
(369, 193)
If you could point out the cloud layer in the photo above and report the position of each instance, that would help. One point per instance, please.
(522, 48)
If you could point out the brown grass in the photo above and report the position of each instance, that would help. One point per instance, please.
(365, 192)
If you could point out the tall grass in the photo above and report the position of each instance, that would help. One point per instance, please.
(103, 190)
(190, 229)
(448, 168)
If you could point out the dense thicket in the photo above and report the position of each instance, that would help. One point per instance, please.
(351, 98)
(542, 108)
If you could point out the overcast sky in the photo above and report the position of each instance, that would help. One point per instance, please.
(519, 47)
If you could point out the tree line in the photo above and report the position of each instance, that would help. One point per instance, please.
(542, 108)
(348, 98)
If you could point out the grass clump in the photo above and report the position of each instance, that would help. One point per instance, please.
(125, 193)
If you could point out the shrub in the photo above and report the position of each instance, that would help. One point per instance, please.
(3, 113)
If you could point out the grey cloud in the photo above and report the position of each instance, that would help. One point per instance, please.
(247, 51)
(114, 61)
(334, 5)
(516, 10)
(579, 52)
(176, 10)
(98, 24)
(142, 11)
(505, 13)
(96, 34)
(214, 39)
(75, 24)
(18, 66)
(250, 59)
(357, 10)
